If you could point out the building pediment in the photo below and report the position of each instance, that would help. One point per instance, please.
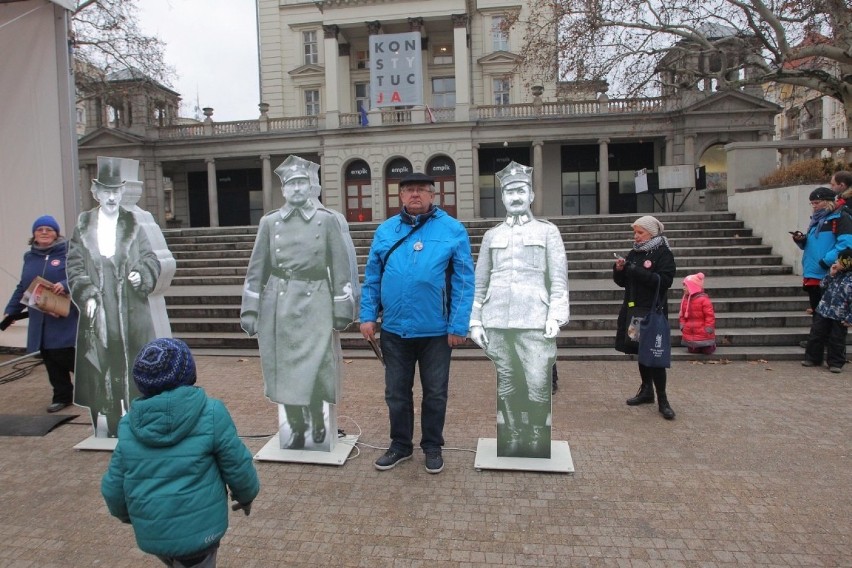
(731, 101)
(309, 70)
(499, 58)
(109, 137)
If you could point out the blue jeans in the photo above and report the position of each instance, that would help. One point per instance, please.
(432, 355)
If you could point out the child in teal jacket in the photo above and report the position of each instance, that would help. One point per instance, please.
(178, 453)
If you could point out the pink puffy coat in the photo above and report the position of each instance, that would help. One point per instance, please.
(697, 318)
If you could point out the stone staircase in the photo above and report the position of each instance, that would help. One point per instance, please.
(760, 307)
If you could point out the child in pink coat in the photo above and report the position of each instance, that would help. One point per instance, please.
(697, 318)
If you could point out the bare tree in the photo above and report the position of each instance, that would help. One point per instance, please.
(643, 46)
(106, 38)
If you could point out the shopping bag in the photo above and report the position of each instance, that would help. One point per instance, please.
(655, 336)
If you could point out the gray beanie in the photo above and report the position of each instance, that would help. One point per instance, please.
(650, 224)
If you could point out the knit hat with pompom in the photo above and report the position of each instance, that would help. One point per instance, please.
(694, 283)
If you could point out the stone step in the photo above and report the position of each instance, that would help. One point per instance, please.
(228, 321)
(682, 360)
(754, 338)
(237, 276)
(579, 309)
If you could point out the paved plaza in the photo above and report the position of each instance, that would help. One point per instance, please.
(755, 470)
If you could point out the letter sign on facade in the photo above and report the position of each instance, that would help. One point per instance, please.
(396, 71)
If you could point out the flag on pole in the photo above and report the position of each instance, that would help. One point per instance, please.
(430, 116)
(362, 116)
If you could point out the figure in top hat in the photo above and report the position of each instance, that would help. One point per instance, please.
(111, 270)
(301, 286)
(519, 303)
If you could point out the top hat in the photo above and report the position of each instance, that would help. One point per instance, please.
(295, 167)
(109, 172)
(515, 174)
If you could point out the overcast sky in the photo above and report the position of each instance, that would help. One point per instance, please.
(212, 44)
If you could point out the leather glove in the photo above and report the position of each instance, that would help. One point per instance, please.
(246, 507)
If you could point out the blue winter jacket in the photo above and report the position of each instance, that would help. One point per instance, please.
(45, 331)
(411, 293)
(836, 302)
(177, 455)
(824, 242)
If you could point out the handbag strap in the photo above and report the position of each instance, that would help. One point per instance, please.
(655, 306)
(400, 241)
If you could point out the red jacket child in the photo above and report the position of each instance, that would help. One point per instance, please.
(697, 318)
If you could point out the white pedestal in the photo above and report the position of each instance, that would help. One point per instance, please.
(93, 443)
(337, 456)
(559, 462)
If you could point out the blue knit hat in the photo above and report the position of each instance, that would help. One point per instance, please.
(46, 221)
(164, 364)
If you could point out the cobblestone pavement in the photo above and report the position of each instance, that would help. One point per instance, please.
(754, 471)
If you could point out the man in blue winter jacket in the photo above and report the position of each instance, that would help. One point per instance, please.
(419, 278)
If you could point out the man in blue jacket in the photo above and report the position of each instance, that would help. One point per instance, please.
(419, 278)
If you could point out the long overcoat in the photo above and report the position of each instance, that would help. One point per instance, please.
(300, 287)
(85, 267)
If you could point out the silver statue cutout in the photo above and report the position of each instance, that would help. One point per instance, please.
(301, 290)
(520, 302)
(112, 270)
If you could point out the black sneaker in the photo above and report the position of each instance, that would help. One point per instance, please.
(57, 406)
(434, 462)
(390, 459)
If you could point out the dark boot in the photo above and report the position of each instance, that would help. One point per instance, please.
(665, 409)
(513, 425)
(660, 384)
(554, 382)
(317, 423)
(540, 438)
(645, 394)
(296, 420)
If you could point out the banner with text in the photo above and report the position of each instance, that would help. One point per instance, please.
(396, 70)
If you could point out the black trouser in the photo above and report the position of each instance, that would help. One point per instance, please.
(60, 364)
(814, 295)
(655, 376)
(828, 334)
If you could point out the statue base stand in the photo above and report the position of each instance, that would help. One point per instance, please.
(93, 443)
(559, 462)
(337, 456)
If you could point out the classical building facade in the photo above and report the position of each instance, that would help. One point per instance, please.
(481, 107)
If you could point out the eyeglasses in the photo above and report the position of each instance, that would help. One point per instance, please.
(417, 189)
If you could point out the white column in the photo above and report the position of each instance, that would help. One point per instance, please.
(603, 175)
(212, 192)
(477, 211)
(266, 182)
(332, 78)
(689, 150)
(461, 61)
(538, 175)
(160, 193)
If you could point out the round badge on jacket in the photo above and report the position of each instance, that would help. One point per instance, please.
(647, 263)
(55, 262)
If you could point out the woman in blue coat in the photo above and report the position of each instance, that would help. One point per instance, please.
(54, 336)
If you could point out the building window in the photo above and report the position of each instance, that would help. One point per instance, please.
(312, 102)
(362, 59)
(444, 92)
(362, 96)
(500, 87)
(443, 54)
(311, 48)
(499, 36)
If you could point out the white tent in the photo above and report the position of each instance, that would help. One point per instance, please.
(37, 136)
